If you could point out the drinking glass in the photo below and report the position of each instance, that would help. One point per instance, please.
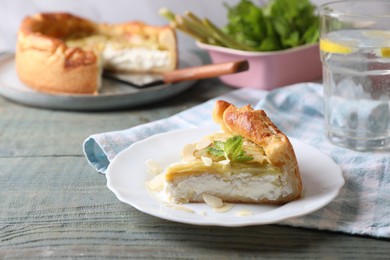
(355, 54)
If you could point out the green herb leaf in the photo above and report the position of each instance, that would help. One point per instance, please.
(231, 149)
(216, 152)
(219, 145)
(280, 24)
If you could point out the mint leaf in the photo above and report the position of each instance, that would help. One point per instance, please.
(219, 145)
(231, 149)
(246, 23)
(216, 152)
(280, 24)
(217, 149)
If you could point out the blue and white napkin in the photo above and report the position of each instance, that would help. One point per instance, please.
(363, 205)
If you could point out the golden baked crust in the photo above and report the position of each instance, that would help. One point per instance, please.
(45, 62)
(270, 176)
(257, 127)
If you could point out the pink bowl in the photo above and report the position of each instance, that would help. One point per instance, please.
(269, 70)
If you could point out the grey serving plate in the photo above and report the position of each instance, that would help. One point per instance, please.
(113, 94)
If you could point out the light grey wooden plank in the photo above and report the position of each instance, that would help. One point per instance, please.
(60, 207)
(31, 131)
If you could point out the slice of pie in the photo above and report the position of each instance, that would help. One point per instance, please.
(64, 53)
(249, 161)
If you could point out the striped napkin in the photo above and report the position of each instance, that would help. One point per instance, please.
(363, 205)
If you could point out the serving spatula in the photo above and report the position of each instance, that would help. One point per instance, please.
(192, 73)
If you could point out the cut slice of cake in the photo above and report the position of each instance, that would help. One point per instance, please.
(249, 161)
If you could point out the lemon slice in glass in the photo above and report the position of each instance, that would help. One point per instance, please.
(333, 47)
(377, 34)
(383, 37)
(385, 52)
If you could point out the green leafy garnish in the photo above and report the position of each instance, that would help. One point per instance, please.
(280, 24)
(231, 149)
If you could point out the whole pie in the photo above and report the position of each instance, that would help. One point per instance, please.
(249, 161)
(63, 53)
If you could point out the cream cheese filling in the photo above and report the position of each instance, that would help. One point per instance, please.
(134, 58)
(244, 185)
(117, 54)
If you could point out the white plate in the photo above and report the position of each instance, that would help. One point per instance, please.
(127, 174)
(113, 95)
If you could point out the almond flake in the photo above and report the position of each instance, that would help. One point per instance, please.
(212, 200)
(180, 207)
(203, 213)
(188, 152)
(153, 167)
(203, 144)
(207, 161)
(224, 162)
(259, 158)
(157, 183)
(225, 208)
(243, 213)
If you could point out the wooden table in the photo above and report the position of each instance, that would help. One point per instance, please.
(54, 205)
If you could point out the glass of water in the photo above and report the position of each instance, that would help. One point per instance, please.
(355, 53)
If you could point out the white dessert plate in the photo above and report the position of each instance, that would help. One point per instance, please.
(127, 176)
(113, 95)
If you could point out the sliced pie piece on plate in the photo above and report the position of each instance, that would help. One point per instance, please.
(249, 161)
